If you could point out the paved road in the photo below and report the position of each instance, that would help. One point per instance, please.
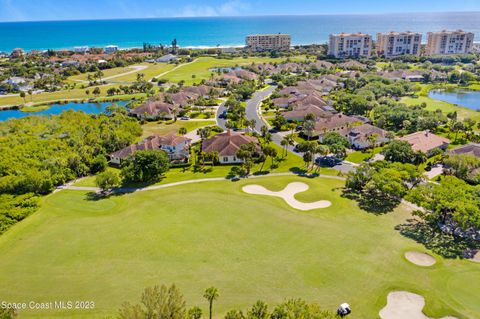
(252, 111)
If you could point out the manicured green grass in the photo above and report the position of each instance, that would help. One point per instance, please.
(35, 108)
(152, 70)
(172, 127)
(106, 73)
(360, 156)
(201, 67)
(212, 234)
(50, 97)
(433, 105)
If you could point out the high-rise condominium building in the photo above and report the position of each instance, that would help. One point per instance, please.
(449, 42)
(353, 45)
(393, 44)
(268, 42)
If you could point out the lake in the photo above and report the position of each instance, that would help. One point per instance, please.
(466, 98)
(55, 109)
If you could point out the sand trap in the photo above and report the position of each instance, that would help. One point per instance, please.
(405, 305)
(288, 195)
(420, 259)
(476, 258)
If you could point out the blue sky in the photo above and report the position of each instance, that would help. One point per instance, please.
(32, 10)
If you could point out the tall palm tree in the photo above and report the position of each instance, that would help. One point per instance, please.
(211, 294)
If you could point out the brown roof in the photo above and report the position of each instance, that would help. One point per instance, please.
(335, 122)
(313, 99)
(424, 141)
(154, 108)
(154, 142)
(362, 132)
(303, 110)
(228, 143)
(470, 149)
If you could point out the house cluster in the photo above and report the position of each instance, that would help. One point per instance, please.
(235, 76)
(394, 44)
(169, 105)
(226, 145)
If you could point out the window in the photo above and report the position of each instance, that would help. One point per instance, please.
(225, 159)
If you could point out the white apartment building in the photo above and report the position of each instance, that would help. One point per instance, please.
(393, 44)
(268, 42)
(352, 45)
(110, 49)
(81, 49)
(449, 42)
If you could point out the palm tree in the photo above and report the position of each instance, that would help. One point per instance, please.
(286, 141)
(30, 92)
(321, 150)
(211, 294)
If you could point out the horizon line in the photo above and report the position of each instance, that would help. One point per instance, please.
(242, 16)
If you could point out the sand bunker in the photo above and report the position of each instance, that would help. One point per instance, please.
(476, 258)
(403, 305)
(420, 259)
(288, 195)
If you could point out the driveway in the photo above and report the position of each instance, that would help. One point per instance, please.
(221, 122)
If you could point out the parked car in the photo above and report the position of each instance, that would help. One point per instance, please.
(328, 161)
(185, 118)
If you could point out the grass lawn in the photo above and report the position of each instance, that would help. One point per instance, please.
(200, 67)
(433, 105)
(106, 73)
(50, 97)
(170, 127)
(152, 70)
(212, 234)
(360, 156)
(35, 108)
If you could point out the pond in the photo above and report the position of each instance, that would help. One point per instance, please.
(55, 109)
(466, 98)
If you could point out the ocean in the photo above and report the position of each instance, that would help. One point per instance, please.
(219, 31)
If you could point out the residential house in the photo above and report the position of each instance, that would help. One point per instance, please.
(154, 109)
(176, 147)
(467, 149)
(334, 123)
(299, 113)
(167, 58)
(426, 142)
(359, 136)
(227, 145)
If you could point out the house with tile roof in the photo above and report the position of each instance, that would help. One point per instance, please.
(176, 147)
(426, 142)
(227, 145)
(153, 109)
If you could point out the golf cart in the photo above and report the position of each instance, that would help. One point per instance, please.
(344, 310)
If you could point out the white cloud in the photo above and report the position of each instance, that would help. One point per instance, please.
(228, 8)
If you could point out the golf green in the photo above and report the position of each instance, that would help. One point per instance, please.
(212, 234)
